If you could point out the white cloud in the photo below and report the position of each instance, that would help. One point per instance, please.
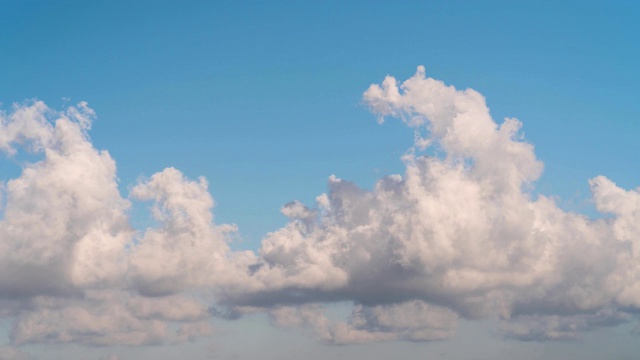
(64, 224)
(110, 317)
(458, 235)
(188, 249)
(68, 259)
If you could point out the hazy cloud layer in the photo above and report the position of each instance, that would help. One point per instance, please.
(13, 353)
(458, 235)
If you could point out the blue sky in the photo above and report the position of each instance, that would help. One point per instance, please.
(265, 100)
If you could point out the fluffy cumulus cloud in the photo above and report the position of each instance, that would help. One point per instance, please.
(458, 235)
(72, 268)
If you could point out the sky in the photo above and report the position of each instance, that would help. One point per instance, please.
(358, 180)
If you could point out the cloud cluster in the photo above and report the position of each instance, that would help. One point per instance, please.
(459, 235)
(71, 267)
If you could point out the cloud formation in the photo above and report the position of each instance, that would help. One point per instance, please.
(459, 235)
(70, 262)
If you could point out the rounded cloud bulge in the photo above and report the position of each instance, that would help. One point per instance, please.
(458, 235)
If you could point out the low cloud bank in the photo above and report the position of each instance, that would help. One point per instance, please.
(458, 235)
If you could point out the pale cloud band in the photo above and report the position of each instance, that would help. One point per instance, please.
(458, 235)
